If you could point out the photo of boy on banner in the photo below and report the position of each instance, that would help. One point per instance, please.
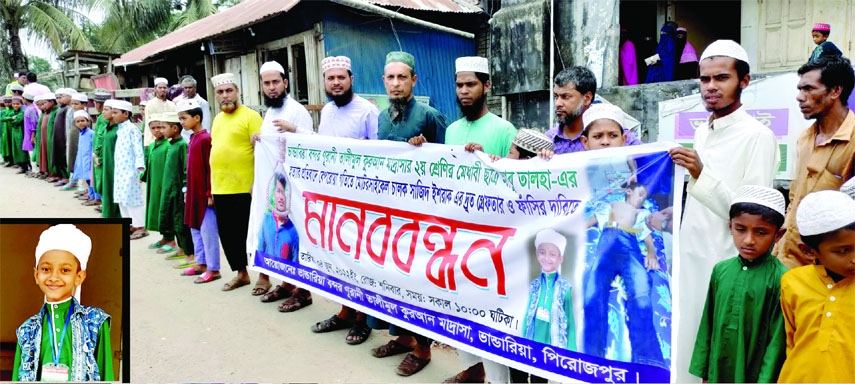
(626, 289)
(278, 236)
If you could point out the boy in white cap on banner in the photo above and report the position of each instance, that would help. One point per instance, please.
(479, 129)
(818, 300)
(159, 104)
(741, 338)
(731, 150)
(79, 349)
(129, 163)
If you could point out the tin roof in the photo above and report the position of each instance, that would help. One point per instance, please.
(249, 12)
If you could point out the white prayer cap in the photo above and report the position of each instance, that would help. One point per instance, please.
(472, 64)
(81, 97)
(143, 103)
(110, 103)
(81, 114)
(223, 79)
(332, 62)
(123, 105)
(602, 111)
(39, 98)
(533, 141)
(549, 236)
(161, 80)
(64, 91)
(154, 117)
(17, 87)
(65, 237)
(728, 48)
(824, 211)
(186, 105)
(271, 66)
(29, 96)
(170, 117)
(48, 96)
(849, 188)
(768, 197)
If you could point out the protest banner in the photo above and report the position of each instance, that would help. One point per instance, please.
(443, 242)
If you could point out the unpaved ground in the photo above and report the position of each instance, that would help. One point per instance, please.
(184, 332)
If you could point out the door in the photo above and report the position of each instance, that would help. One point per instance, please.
(784, 35)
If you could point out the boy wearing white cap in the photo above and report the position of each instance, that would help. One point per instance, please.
(730, 150)
(129, 163)
(61, 129)
(43, 134)
(83, 157)
(159, 104)
(542, 311)
(741, 338)
(78, 350)
(172, 192)
(155, 158)
(479, 129)
(818, 300)
(78, 103)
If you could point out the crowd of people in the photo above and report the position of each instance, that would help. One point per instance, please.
(760, 321)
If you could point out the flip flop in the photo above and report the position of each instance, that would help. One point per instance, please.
(235, 283)
(206, 277)
(175, 256)
(166, 248)
(156, 245)
(139, 234)
(186, 264)
(191, 272)
(261, 287)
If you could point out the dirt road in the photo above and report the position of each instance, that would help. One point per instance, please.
(184, 332)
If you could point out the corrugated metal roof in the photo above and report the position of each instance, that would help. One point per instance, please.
(463, 6)
(250, 12)
(246, 13)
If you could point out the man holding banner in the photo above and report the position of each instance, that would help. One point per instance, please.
(731, 150)
(232, 172)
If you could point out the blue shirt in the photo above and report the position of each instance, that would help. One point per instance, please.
(279, 240)
(83, 161)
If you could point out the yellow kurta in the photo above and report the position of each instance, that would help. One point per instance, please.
(232, 153)
(820, 167)
(819, 316)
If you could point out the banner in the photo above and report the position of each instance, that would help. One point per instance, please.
(561, 268)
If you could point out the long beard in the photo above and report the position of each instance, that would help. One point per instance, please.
(472, 111)
(228, 107)
(570, 117)
(341, 100)
(398, 108)
(276, 102)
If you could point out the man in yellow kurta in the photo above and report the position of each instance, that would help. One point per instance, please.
(826, 150)
(158, 105)
(232, 171)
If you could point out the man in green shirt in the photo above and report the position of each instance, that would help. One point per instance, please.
(479, 128)
(407, 119)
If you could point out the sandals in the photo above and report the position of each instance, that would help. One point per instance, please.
(191, 271)
(411, 365)
(334, 323)
(166, 248)
(358, 334)
(139, 234)
(175, 256)
(276, 294)
(294, 303)
(206, 277)
(186, 264)
(235, 283)
(261, 287)
(156, 244)
(391, 348)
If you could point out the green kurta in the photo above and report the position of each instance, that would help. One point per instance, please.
(5, 135)
(109, 209)
(419, 119)
(741, 338)
(155, 159)
(103, 354)
(15, 129)
(172, 195)
(542, 328)
(492, 132)
(50, 148)
(97, 143)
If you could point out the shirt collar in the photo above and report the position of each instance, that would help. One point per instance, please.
(726, 121)
(753, 263)
(557, 133)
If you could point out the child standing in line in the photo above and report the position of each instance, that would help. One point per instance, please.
(818, 300)
(80, 349)
(172, 192)
(155, 157)
(741, 338)
(83, 160)
(14, 120)
(199, 203)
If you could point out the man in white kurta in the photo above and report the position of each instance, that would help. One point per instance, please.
(731, 150)
(347, 114)
(156, 106)
(129, 163)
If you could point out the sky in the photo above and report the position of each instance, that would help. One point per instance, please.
(33, 47)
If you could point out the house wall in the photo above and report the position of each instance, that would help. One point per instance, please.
(366, 40)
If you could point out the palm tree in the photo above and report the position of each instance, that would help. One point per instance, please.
(54, 22)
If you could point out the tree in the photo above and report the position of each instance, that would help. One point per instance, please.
(39, 65)
(54, 22)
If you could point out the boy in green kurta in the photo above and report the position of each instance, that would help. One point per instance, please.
(79, 349)
(5, 105)
(105, 150)
(549, 315)
(155, 158)
(741, 338)
(14, 120)
(173, 188)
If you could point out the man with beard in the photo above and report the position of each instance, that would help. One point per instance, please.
(232, 171)
(156, 106)
(731, 150)
(57, 139)
(407, 119)
(284, 114)
(346, 115)
(574, 89)
(826, 150)
(479, 129)
(188, 84)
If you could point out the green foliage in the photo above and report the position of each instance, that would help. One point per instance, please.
(39, 65)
